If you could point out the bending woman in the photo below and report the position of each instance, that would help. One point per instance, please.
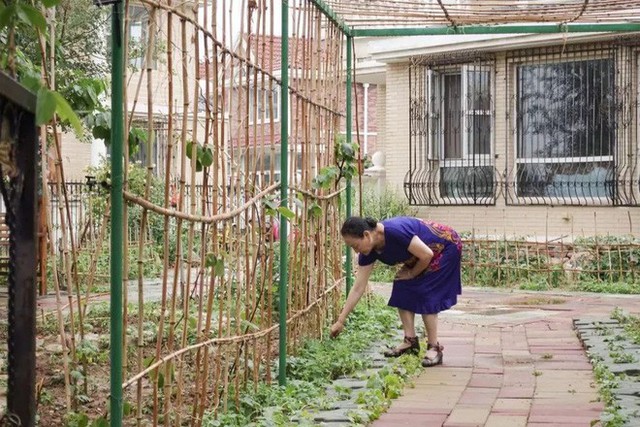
(427, 283)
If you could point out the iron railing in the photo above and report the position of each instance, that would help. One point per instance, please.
(571, 138)
(573, 125)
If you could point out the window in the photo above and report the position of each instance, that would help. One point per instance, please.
(265, 165)
(140, 147)
(267, 105)
(138, 36)
(464, 97)
(566, 130)
(451, 134)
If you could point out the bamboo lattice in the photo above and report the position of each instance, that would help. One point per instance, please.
(203, 83)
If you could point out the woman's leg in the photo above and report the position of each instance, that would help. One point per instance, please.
(408, 322)
(408, 326)
(411, 342)
(431, 328)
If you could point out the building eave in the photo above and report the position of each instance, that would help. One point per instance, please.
(389, 51)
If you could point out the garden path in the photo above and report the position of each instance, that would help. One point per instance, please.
(511, 359)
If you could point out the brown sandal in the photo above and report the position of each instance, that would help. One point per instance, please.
(413, 349)
(437, 360)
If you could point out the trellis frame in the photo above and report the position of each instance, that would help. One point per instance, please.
(337, 13)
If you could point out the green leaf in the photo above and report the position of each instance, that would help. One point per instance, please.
(7, 14)
(100, 132)
(77, 375)
(50, 3)
(31, 82)
(207, 157)
(45, 106)
(160, 380)
(210, 260)
(31, 16)
(148, 361)
(189, 149)
(286, 212)
(315, 210)
(270, 204)
(65, 112)
(347, 150)
(101, 422)
(127, 408)
(140, 134)
(218, 270)
(83, 420)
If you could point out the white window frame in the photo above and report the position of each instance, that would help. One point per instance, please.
(263, 112)
(436, 146)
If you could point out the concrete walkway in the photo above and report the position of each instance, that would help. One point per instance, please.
(511, 359)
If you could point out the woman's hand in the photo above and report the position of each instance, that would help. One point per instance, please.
(404, 274)
(336, 328)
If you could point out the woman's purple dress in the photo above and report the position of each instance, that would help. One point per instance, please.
(437, 288)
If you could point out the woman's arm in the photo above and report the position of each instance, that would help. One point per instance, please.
(360, 285)
(423, 254)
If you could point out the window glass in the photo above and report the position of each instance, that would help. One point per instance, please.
(566, 128)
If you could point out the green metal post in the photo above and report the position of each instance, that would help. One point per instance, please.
(348, 264)
(284, 191)
(117, 137)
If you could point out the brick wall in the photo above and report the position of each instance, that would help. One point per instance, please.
(76, 157)
(396, 135)
(358, 110)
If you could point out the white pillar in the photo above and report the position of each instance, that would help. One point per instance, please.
(98, 151)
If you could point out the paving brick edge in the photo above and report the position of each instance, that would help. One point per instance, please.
(598, 336)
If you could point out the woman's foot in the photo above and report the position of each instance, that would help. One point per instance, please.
(433, 356)
(410, 345)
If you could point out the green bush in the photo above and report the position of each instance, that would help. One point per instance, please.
(387, 204)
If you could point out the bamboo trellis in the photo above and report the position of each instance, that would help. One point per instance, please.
(209, 77)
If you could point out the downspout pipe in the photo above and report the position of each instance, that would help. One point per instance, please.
(365, 147)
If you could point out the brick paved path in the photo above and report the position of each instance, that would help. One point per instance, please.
(511, 359)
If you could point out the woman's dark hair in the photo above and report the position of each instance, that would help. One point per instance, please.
(355, 226)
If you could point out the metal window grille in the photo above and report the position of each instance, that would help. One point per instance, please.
(451, 140)
(154, 145)
(572, 113)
